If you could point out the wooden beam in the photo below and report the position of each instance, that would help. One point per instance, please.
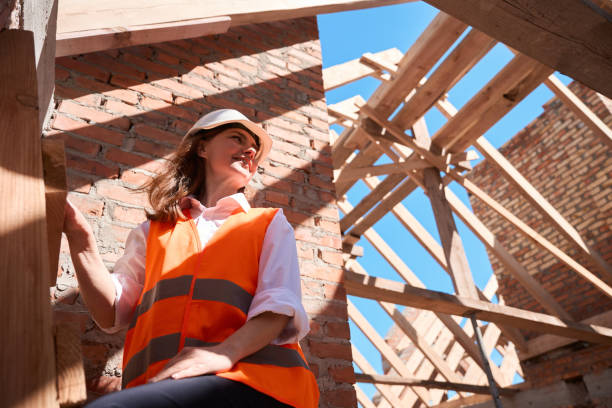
(56, 189)
(363, 399)
(384, 390)
(462, 58)
(502, 93)
(382, 169)
(494, 205)
(385, 350)
(459, 269)
(547, 342)
(389, 291)
(547, 30)
(78, 15)
(350, 71)
(431, 45)
(100, 39)
(457, 386)
(28, 363)
(510, 263)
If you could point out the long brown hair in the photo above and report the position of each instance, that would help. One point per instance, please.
(183, 175)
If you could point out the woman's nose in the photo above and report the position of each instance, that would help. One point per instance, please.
(250, 152)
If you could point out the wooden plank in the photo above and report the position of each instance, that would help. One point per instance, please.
(463, 402)
(382, 169)
(510, 263)
(547, 342)
(100, 39)
(458, 266)
(385, 350)
(458, 386)
(462, 58)
(385, 391)
(547, 30)
(515, 81)
(531, 194)
(494, 205)
(80, 15)
(71, 387)
(385, 290)
(363, 399)
(347, 109)
(597, 126)
(56, 189)
(350, 71)
(28, 363)
(428, 48)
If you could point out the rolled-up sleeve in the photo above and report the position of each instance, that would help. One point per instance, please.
(128, 276)
(278, 288)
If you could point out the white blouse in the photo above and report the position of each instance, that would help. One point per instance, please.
(278, 287)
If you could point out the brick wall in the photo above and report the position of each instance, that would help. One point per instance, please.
(572, 169)
(121, 112)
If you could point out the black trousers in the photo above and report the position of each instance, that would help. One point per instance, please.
(207, 391)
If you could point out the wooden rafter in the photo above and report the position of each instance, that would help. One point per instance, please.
(389, 291)
(548, 30)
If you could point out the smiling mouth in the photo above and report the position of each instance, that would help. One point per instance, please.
(245, 162)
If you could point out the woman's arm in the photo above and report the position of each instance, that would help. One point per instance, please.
(255, 334)
(95, 283)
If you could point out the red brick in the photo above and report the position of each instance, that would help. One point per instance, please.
(333, 291)
(202, 83)
(94, 115)
(120, 233)
(343, 374)
(125, 95)
(157, 134)
(86, 205)
(61, 74)
(120, 193)
(77, 95)
(179, 89)
(83, 68)
(152, 149)
(149, 66)
(135, 178)
(344, 398)
(96, 353)
(325, 273)
(322, 349)
(81, 145)
(278, 198)
(325, 308)
(123, 157)
(77, 183)
(169, 109)
(121, 108)
(112, 65)
(91, 166)
(62, 122)
(131, 215)
(338, 330)
(144, 88)
(334, 258)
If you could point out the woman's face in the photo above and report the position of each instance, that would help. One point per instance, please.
(229, 157)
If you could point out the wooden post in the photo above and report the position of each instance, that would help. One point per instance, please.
(28, 363)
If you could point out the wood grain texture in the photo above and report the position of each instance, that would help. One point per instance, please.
(28, 368)
(566, 35)
(389, 291)
(54, 171)
(71, 387)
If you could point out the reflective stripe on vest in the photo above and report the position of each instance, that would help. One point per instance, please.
(166, 347)
(204, 289)
(193, 297)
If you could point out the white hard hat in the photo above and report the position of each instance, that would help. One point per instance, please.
(224, 116)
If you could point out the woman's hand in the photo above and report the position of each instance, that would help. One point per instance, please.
(76, 226)
(194, 361)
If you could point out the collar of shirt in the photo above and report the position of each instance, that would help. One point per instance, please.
(223, 209)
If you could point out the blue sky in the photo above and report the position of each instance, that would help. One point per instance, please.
(348, 35)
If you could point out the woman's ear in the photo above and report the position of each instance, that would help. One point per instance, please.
(201, 150)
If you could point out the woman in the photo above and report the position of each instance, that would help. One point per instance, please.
(208, 287)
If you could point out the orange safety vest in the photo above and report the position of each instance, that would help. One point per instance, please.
(195, 297)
